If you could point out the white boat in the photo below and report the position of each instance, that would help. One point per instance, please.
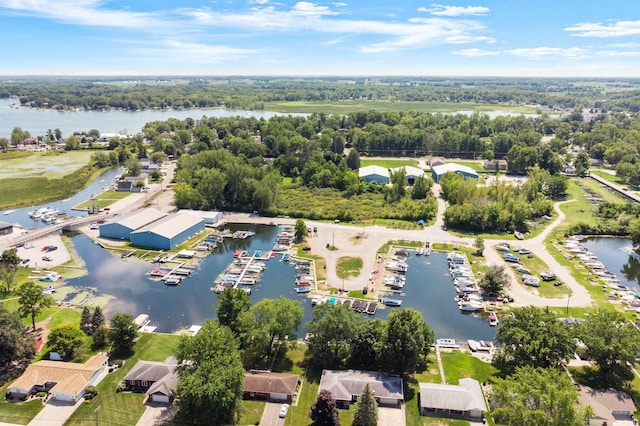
(419, 251)
(493, 319)
(470, 306)
(397, 266)
(390, 302)
(447, 343)
(7, 212)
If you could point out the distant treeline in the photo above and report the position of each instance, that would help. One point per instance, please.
(254, 92)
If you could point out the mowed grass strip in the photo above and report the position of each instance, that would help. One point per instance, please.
(387, 164)
(348, 267)
(104, 199)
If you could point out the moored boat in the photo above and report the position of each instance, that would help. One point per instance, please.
(301, 290)
(493, 319)
(390, 301)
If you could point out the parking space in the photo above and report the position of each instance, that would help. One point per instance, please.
(271, 415)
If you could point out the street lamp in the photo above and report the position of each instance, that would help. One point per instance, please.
(568, 299)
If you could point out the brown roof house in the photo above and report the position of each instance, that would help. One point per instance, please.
(265, 385)
(464, 400)
(347, 385)
(64, 381)
(158, 380)
(436, 161)
(609, 406)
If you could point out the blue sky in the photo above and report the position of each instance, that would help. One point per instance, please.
(563, 38)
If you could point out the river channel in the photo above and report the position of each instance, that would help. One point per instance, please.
(614, 254)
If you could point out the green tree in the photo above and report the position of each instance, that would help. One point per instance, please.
(324, 411)
(9, 261)
(232, 303)
(280, 318)
(65, 338)
(300, 230)
(495, 280)
(157, 157)
(333, 329)
(534, 337)
(634, 234)
(612, 342)
(367, 412)
(420, 189)
(15, 344)
(100, 337)
(57, 133)
(85, 319)
(4, 144)
(72, 143)
(536, 397)
(366, 347)
(18, 136)
(408, 338)
(353, 159)
(32, 301)
(581, 163)
(478, 243)
(97, 319)
(122, 333)
(133, 166)
(210, 376)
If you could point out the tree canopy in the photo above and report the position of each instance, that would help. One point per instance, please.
(65, 338)
(122, 333)
(15, 344)
(408, 338)
(32, 301)
(324, 411)
(333, 330)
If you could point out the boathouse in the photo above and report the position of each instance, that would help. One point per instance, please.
(168, 232)
(374, 174)
(440, 170)
(121, 227)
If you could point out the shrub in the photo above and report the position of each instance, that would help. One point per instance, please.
(90, 393)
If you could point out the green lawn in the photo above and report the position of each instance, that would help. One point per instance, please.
(104, 199)
(387, 164)
(251, 412)
(536, 265)
(348, 267)
(459, 365)
(124, 408)
(344, 107)
(18, 412)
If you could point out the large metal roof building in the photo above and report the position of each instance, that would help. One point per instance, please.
(120, 227)
(168, 232)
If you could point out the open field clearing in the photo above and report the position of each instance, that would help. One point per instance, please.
(44, 164)
(344, 107)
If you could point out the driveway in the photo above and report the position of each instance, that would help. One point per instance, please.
(157, 414)
(391, 416)
(270, 415)
(55, 413)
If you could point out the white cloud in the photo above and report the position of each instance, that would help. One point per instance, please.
(444, 10)
(340, 4)
(83, 12)
(196, 52)
(311, 9)
(620, 53)
(605, 30)
(629, 45)
(546, 52)
(475, 52)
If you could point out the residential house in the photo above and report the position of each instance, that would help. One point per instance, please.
(64, 381)
(130, 183)
(346, 386)
(464, 400)
(495, 164)
(436, 161)
(265, 385)
(609, 406)
(158, 380)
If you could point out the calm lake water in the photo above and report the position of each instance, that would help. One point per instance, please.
(613, 253)
(38, 121)
(429, 288)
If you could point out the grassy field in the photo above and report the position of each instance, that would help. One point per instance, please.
(50, 165)
(344, 107)
(459, 365)
(348, 267)
(251, 412)
(19, 413)
(387, 164)
(103, 200)
(124, 408)
(536, 265)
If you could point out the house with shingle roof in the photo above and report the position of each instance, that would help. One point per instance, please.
(464, 400)
(64, 381)
(609, 406)
(346, 386)
(158, 380)
(265, 385)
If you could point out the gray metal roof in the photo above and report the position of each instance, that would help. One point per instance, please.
(172, 225)
(467, 396)
(139, 218)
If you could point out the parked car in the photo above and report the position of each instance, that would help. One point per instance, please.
(45, 248)
(25, 261)
(47, 258)
(283, 410)
(28, 246)
(51, 248)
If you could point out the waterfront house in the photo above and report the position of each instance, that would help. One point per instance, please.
(464, 400)
(609, 406)
(64, 381)
(158, 380)
(268, 386)
(133, 183)
(374, 174)
(346, 386)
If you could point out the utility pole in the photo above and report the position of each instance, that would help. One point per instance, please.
(96, 411)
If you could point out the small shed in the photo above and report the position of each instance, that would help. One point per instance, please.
(436, 161)
(6, 228)
(374, 174)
